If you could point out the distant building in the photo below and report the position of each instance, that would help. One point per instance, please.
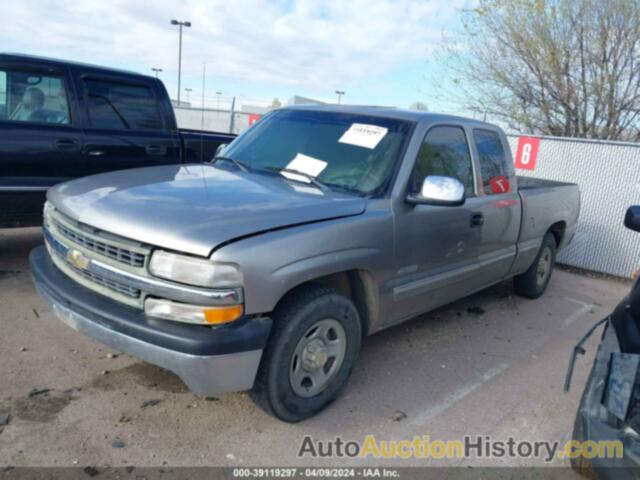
(261, 110)
(180, 104)
(298, 100)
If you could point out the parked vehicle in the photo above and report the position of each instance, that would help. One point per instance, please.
(315, 227)
(610, 406)
(61, 120)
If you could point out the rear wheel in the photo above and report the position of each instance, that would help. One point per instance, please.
(534, 281)
(310, 354)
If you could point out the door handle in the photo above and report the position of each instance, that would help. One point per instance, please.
(477, 220)
(155, 150)
(66, 144)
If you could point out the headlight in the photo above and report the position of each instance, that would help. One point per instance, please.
(194, 271)
(200, 315)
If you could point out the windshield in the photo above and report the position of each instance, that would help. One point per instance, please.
(340, 150)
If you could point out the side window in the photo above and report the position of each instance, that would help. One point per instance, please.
(118, 106)
(444, 152)
(494, 169)
(31, 97)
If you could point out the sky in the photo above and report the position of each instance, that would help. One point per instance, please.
(380, 52)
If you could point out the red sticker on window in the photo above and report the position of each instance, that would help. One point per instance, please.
(527, 153)
(499, 184)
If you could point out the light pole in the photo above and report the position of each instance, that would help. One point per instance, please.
(180, 24)
(340, 93)
(157, 70)
(188, 90)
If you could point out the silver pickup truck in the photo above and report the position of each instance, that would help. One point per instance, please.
(265, 268)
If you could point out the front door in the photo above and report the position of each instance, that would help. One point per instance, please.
(437, 247)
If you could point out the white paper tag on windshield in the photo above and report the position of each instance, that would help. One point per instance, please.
(363, 135)
(304, 164)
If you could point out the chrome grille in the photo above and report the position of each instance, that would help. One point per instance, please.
(105, 282)
(113, 252)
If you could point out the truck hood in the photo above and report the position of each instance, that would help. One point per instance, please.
(196, 208)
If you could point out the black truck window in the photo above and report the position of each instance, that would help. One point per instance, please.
(493, 164)
(118, 106)
(31, 97)
(445, 152)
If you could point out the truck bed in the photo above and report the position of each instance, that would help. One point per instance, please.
(548, 202)
(528, 183)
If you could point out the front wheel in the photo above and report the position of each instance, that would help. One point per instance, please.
(310, 354)
(534, 281)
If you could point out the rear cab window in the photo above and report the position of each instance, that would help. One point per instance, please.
(120, 106)
(33, 98)
(497, 176)
(445, 152)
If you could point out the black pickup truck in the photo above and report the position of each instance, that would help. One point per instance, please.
(61, 120)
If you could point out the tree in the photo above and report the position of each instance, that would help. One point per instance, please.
(419, 106)
(555, 67)
(276, 103)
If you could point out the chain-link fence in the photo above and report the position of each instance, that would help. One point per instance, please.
(212, 120)
(608, 174)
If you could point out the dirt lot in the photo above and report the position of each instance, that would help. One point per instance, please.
(492, 364)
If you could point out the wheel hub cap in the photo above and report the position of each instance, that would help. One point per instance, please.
(544, 266)
(314, 355)
(317, 358)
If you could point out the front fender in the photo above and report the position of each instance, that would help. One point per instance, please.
(274, 263)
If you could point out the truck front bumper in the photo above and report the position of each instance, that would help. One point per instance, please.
(208, 360)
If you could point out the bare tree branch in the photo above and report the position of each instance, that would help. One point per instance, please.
(556, 67)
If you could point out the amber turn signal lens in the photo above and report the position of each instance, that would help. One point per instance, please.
(218, 315)
(198, 314)
(634, 275)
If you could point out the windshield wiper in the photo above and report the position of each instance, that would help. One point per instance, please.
(293, 171)
(241, 165)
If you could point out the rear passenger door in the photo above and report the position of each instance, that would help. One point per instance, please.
(126, 127)
(498, 203)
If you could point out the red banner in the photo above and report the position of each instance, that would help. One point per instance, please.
(527, 153)
(253, 118)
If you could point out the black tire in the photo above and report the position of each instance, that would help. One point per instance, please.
(299, 312)
(530, 284)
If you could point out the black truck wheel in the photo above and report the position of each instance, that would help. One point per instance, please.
(533, 282)
(310, 354)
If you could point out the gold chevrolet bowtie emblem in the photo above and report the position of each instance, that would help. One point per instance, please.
(77, 259)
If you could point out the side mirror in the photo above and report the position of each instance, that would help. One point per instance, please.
(220, 149)
(437, 190)
(632, 218)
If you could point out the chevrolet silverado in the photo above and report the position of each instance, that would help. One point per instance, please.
(265, 268)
